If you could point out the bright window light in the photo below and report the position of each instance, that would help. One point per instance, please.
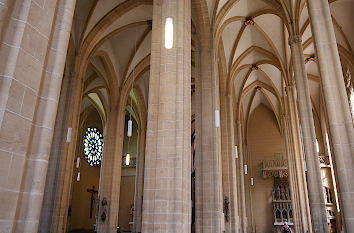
(169, 33)
(127, 159)
(317, 146)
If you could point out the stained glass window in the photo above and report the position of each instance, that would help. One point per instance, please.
(93, 146)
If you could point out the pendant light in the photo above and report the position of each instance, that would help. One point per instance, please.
(127, 160)
(77, 162)
(130, 121)
(130, 128)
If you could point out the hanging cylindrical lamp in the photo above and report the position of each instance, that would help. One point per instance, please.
(127, 159)
(169, 33)
(130, 128)
(78, 162)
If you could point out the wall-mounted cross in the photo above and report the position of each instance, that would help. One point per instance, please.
(93, 192)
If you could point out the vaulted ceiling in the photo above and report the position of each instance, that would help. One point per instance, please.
(252, 47)
(117, 36)
(253, 51)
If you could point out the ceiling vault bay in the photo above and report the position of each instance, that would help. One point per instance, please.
(252, 41)
(113, 41)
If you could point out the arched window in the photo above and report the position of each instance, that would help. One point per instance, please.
(93, 146)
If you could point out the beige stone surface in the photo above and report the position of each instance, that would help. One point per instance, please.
(339, 120)
(317, 202)
(264, 143)
(237, 56)
(167, 205)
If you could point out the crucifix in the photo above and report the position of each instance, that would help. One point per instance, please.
(93, 192)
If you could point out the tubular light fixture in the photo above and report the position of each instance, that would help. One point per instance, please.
(217, 118)
(78, 162)
(127, 159)
(236, 152)
(78, 176)
(169, 33)
(130, 127)
(245, 168)
(68, 135)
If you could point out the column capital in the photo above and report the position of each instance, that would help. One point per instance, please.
(290, 86)
(294, 39)
(284, 116)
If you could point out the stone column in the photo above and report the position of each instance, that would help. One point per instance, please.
(65, 173)
(339, 119)
(167, 182)
(208, 169)
(296, 203)
(111, 171)
(34, 41)
(242, 177)
(209, 200)
(138, 206)
(297, 178)
(317, 202)
(229, 180)
(57, 150)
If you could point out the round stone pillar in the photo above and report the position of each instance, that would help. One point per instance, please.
(317, 202)
(31, 73)
(242, 177)
(336, 104)
(167, 182)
